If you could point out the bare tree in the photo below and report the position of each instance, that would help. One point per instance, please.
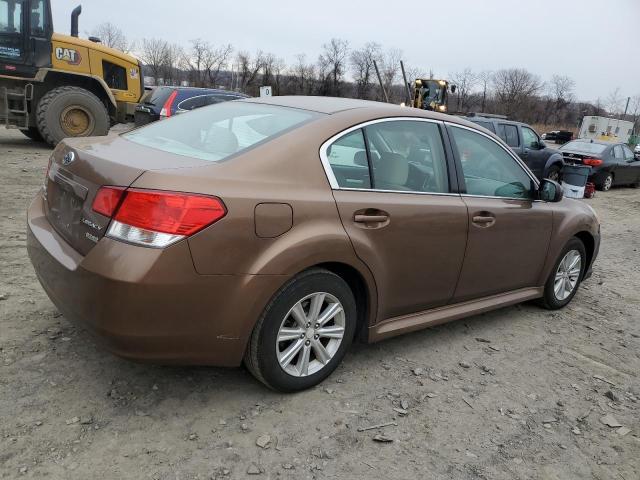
(614, 101)
(390, 73)
(362, 67)
(194, 61)
(153, 54)
(560, 90)
(111, 36)
(484, 78)
(248, 68)
(214, 60)
(171, 71)
(464, 81)
(302, 74)
(332, 65)
(514, 87)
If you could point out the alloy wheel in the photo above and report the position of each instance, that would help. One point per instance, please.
(567, 275)
(310, 334)
(608, 183)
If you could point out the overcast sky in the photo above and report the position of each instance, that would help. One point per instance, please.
(595, 42)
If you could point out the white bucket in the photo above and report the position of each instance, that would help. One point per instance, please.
(572, 191)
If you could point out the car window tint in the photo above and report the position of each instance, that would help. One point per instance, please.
(348, 159)
(488, 169)
(529, 138)
(407, 156)
(221, 130)
(617, 152)
(194, 102)
(511, 135)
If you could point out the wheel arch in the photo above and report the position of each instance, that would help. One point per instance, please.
(589, 243)
(553, 160)
(94, 84)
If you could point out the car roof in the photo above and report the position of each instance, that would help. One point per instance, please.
(494, 119)
(599, 142)
(203, 90)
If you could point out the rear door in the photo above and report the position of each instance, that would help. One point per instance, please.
(632, 166)
(391, 183)
(509, 232)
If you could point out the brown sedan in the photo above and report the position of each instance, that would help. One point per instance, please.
(277, 231)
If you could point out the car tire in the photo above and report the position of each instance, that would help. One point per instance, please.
(555, 290)
(607, 183)
(78, 109)
(269, 354)
(554, 173)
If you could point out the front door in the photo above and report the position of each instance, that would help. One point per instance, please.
(534, 154)
(509, 232)
(392, 191)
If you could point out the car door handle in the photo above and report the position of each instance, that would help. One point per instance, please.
(483, 220)
(370, 218)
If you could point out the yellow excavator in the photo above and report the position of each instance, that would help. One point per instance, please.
(54, 86)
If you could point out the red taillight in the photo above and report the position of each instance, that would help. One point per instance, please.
(166, 108)
(107, 200)
(156, 218)
(169, 212)
(593, 162)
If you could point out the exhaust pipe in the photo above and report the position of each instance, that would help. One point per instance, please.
(74, 20)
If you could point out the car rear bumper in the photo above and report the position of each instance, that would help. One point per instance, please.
(148, 304)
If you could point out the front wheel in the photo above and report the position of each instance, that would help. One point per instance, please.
(554, 173)
(566, 275)
(304, 332)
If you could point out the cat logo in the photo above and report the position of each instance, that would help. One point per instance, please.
(69, 55)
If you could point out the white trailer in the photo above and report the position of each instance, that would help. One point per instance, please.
(605, 128)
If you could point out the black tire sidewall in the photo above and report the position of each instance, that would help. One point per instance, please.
(55, 101)
(550, 299)
(269, 367)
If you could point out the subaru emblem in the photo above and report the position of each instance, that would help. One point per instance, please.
(68, 158)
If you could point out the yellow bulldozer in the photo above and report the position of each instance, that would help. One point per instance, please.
(431, 94)
(54, 86)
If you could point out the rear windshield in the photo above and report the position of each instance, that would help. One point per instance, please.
(218, 131)
(584, 147)
(159, 96)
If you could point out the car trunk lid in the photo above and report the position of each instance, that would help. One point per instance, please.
(77, 170)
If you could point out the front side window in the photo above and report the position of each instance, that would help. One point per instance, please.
(10, 16)
(529, 138)
(348, 159)
(488, 169)
(217, 132)
(407, 155)
(114, 75)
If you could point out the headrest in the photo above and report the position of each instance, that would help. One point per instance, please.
(392, 169)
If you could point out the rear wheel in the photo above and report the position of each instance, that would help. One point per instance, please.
(566, 275)
(304, 332)
(606, 183)
(33, 134)
(71, 112)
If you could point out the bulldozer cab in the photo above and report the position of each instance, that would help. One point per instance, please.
(25, 36)
(430, 94)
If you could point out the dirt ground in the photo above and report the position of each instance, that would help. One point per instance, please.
(520, 393)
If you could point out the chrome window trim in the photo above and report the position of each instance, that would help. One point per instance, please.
(508, 150)
(327, 166)
(406, 192)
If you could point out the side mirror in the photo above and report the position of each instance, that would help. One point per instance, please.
(550, 191)
(540, 145)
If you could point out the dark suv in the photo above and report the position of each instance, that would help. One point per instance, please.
(543, 161)
(164, 102)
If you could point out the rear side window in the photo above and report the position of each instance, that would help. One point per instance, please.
(114, 75)
(405, 156)
(487, 125)
(159, 96)
(509, 133)
(348, 159)
(219, 131)
(617, 152)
